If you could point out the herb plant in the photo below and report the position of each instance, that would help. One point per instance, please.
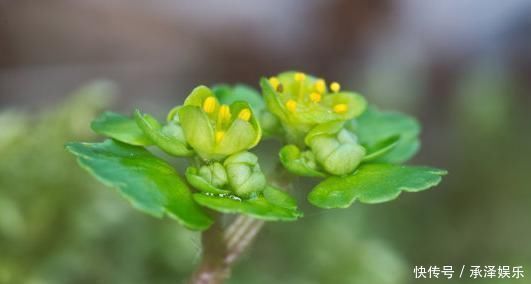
(350, 150)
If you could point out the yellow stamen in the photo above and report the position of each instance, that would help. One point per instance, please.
(340, 108)
(224, 113)
(315, 97)
(274, 82)
(245, 114)
(219, 136)
(299, 76)
(209, 105)
(320, 86)
(291, 105)
(335, 87)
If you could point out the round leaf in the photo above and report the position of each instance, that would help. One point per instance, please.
(374, 126)
(259, 207)
(373, 183)
(121, 128)
(149, 183)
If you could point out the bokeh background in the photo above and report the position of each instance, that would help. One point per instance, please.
(462, 67)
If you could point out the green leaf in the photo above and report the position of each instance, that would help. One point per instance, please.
(259, 207)
(121, 128)
(193, 177)
(228, 95)
(291, 159)
(149, 183)
(373, 183)
(279, 198)
(374, 126)
(171, 144)
(381, 148)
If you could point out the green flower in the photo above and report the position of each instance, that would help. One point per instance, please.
(301, 102)
(335, 148)
(215, 130)
(244, 174)
(239, 175)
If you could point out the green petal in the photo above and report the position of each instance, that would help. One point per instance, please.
(373, 183)
(259, 208)
(192, 176)
(121, 128)
(374, 126)
(169, 144)
(197, 129)
(149, 183)
(291, 159)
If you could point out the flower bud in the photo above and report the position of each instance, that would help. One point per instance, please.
(214, 174)
(338, 154)
(244, 174)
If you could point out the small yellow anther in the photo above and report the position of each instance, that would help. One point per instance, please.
(219, 136)
(340, 108)
(299, 76)
(224, 113)
(274, 82)
(209, 105)
(320, 86)
(335, 87)
(315, 97)
(291, 105)
(245, 114)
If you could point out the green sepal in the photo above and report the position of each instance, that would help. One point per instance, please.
(292, 160)
(277, 208)
(329, 128)
(241, 135)
(272, 101)
(121, 128)
(198, 182)
(197, 96)
(374, 126)
(245, 177)
(164, 137)
(197, 130)
(149, 183)
(373, 183)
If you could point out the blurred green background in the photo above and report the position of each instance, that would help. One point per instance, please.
(462, 67)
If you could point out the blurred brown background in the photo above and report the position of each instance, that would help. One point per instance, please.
(462, 67)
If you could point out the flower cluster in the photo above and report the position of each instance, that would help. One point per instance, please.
(326, 132)
(313, 116)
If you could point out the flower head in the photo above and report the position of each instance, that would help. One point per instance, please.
(302, 101)
(215, 130)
